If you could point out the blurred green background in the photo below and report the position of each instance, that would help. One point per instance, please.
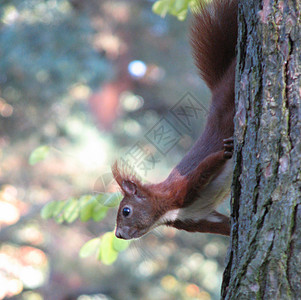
(90, 79)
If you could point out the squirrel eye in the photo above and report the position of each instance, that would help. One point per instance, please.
(126, 211)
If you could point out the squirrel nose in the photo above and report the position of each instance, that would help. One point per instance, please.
(118, 233)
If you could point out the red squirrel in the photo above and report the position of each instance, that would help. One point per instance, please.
(188, 197)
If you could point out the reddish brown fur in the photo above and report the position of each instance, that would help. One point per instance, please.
(213, 38)
(204, 225)
(124, 173)
(173, 189)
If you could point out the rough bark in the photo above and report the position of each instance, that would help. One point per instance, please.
(264, 258)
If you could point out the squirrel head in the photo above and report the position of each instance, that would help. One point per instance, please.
(144, 206)
(137, 213)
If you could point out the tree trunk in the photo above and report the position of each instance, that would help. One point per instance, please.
(264, 259)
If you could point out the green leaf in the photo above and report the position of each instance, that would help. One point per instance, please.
(48, 209)
(71, 210)
(54, 210)
(59, 205)
(84, 199)
(38, 154)
(194, 5)
(86, 211)
(179, 9)
(180, 6)
(59, 219)
(101, 198)
(58, 213)
(107, 254)
(182, 16)
(109, 199)
(120, 245)
(160, 8)
(99, 212)
(89, 248)
(112, 200)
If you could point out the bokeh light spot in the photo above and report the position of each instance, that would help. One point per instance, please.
(137, 68)
(130, 101)
(169, 282)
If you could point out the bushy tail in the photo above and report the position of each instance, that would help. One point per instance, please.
(214, 38)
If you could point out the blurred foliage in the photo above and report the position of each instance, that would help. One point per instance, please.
(106, 248)
(60, 59)
(36, 53)
(39, 154)
(178, 8)
(86, 207)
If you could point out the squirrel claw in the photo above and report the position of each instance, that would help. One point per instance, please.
(227, 154)
(229, 140)
(228, 147)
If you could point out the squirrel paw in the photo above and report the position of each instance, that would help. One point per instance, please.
(228, 147)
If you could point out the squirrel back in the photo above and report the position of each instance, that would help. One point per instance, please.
(214, 38)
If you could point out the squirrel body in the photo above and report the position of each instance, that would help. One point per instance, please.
(188, 197)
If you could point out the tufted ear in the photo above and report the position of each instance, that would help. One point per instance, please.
(129, 187)
(128, 182)
(117, 174)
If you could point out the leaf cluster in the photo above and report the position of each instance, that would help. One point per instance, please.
(106, 248)
(87, 207)
(177, 8)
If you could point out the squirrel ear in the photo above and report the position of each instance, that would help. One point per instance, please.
(128, 182)
(129, 187)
